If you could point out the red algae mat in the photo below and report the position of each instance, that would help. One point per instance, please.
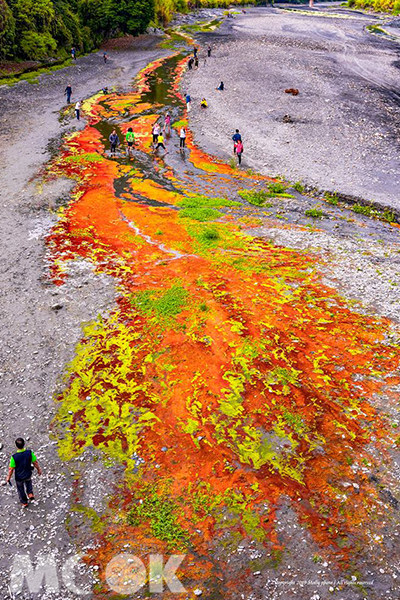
(227, 382)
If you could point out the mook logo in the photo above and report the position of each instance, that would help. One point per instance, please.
(124, 574)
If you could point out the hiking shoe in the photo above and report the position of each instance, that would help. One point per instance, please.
(24, 505)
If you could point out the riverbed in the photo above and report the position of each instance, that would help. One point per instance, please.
(230, 396)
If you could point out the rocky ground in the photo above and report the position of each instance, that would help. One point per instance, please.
(41, 324)
(343, 127)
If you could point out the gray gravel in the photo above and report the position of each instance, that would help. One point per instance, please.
(345, 127)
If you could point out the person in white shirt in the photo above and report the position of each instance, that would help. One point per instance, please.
(78, 110)
(182, 137)
(156, 132)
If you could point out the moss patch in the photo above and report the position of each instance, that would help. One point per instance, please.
(205, 202)
(199, 214)
(165, 304)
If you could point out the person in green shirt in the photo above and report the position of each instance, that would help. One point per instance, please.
(21, 463)
(130, 140)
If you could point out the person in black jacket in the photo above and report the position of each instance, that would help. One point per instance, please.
(68, 93)
(21, 463)
(114, 141)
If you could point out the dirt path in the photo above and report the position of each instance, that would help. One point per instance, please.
(40, 325)
(342, 131)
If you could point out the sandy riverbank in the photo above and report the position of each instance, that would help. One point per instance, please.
(345, 127)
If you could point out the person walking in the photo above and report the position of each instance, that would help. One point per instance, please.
(160, 143)
(73, 53)
(190, 63)
(209, 51)
(21, 464)
(105, 57)
(167, 124)
(156, 132)
(236, 138)
(78, 110)
(114, 141)
(195, 51)
(196, 63)
(130, 140)
(68, 93)
(239, 151)
(188, 101)
(182, 138)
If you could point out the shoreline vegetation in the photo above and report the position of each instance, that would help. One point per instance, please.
(382, 6)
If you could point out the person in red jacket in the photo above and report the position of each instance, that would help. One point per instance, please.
(239, 150)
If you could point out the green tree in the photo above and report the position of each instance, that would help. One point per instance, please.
(34, 20)
(96, 16)
(35, 45)
(130, 16)
(38, 29)
(7, 30)
(34, 15)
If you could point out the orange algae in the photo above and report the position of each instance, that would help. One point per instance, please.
(227, 380)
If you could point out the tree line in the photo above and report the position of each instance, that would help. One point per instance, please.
(41, 29)
(38, 29)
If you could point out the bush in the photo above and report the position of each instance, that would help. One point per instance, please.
(276, 187)
(256, 197)
(210, 234)
(315, 213)
(388, 216)
(378, 5)
(362, 209)
(36, 45)
(332, 198)
(299, 187)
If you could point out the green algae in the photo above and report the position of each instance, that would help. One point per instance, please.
(153, 507)
(105, 398)
(164, 304)
(206, 202)
(89, 157)
(200, 214)
(96, 523)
